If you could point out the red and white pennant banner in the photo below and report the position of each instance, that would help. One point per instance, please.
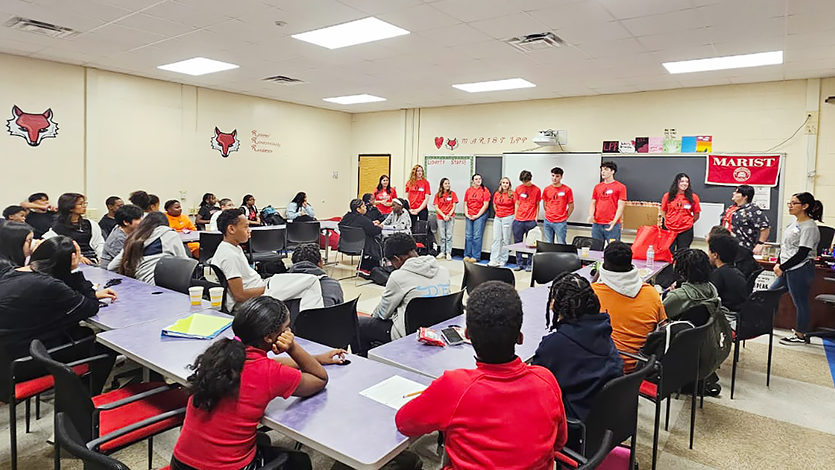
(734, 170)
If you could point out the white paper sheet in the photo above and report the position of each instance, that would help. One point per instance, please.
(393, 391)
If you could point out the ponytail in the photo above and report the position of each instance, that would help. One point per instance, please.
(815, 209)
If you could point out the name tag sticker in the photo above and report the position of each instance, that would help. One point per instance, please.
(448, 198)
(421, 189)
(687, 206)
(561, 194)
(608, 191)
(524, 195)
(796, 229)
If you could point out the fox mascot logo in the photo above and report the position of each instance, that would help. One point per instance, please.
(225, 143)
(32, 127)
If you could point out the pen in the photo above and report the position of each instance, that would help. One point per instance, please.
(408, 395)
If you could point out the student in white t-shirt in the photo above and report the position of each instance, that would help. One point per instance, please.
(225, 204)
(244, 282)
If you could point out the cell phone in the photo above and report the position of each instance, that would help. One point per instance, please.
(452, 336)
(112, 282)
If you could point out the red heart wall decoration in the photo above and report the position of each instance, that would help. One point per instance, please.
(439, 141)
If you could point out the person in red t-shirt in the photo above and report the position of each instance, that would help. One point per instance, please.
(384, 195)
(476, 202)
(234, 381)
(418, 191)
(504, 204)
(502, 414)
(681, 209)
(445, 201)
(607, 202)
(558, 201)
(528, 196)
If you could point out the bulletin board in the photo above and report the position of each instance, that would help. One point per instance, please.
(458, 168)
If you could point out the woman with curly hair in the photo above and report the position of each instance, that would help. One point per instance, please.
(418, 192)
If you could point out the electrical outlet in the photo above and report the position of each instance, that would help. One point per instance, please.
(811, 123)
(335, 175)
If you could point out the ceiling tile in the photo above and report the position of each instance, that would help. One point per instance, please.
(800, 41)
(10, 46)
(572, 14)
(232, 9)
(60, 17)
(467, 11)
(679, 39)
(90, 9)
(323, 12)
(748, 30)
(184, 14)
(808, 23)
(741, 11)
(811, 6)
(374, 7)
(419, 18)
(518, 24)
(623, 10)
(455, 35)
(594, 33)
(155, 25)
(613, 48)
(681, 20)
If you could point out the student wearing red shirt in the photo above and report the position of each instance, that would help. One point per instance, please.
(558, 200)
(384, 195)
(504, 204)
(234, 381)
(418, 190)
(607, 202)
(680, 211)
(445, 201)
(476, 202)
(502, 414)
(528, 196)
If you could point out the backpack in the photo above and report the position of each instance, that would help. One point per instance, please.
(658, 342)
(270, 216)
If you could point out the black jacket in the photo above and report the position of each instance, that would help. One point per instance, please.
(372, 232)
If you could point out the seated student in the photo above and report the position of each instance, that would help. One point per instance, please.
(299, 207)
(108, 221)
(234, 381)
(399, 218)
(744, 259)
(250, 211)
(142, 199)
(729, 281)
(15, 244)
(504, 414)
(307, 259)
(371, 211)
(356, 218)
(128, 218)
(45, 300)
(225, 204)
(414, 276)
(208, 207)
(151, 241)
(634, 307)
(41, 213)
(70, 222)
(181, 223)
(153, 203)
(15, 214)
(580, 352)
(244, 282)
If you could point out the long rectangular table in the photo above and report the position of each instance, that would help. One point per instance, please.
(338, 422)
(194, 236)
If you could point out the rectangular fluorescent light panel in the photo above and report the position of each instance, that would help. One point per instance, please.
(349, 34)
(496, 85)
(198, 66)
(354, 99)
(724, 63)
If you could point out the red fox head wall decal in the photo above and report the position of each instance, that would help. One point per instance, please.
(32, 127)
(225, 143)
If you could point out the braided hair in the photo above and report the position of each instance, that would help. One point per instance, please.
(692, 265)
(572, 297)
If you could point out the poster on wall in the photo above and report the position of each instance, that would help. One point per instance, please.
(225, 143)
(733, 170)
(32, 127)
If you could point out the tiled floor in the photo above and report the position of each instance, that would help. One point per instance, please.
(790, 425)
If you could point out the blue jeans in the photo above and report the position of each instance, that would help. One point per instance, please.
(473, 234)
(501, 239)
(445, 229)
(520, 229)
(599, 232)
(798, 281)
(550, 229)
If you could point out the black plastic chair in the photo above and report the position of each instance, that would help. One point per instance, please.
(209, 241)
(475, 274)
(299, 233)
(593, 243)
(429, 311)
(547, 266)
(545, 247)
(175, 273)
(351, 243)
(221, 279)
(756, 318)
(334, 326)
(420, 232)
(751, 281)
(267, 245)
(827, 234)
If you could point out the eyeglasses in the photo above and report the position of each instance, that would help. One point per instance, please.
(81, 204)
(792, 203)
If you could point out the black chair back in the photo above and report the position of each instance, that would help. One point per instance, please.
(175, 273)
(303, 232)
(209, 241)
(335, 326)
(268, 241)
(827, 234)
(756, 316)
(294, 306)
(751, 282)
(593, 243)
(547, 266)
(697, 315)
(595, 460)
(221, 279)
(681, 362)
(351, 240)
(70, 440)
(545, 247)
(420, 228)
(475, 274)
(428, 311)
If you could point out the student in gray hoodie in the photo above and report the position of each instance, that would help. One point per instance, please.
(152, 240)
(414, 276)
(127, 219)
(307, 259)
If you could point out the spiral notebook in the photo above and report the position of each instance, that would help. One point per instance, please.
(198, 326)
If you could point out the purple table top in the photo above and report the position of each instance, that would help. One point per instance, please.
(195, 236)
(137, 302)
(320, 421)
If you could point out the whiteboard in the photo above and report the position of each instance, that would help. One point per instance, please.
(711, 212)
(458, 168)
(582, 173)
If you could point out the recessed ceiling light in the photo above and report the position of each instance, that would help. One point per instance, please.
(198, 66)
(496, 85)
(354, 99)
(348, 34)
(723, 63)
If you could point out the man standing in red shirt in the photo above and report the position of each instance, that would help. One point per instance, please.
(502, 414)
(607, 202)
(528, 196)
(558, 200)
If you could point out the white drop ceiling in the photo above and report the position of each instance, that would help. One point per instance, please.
(614, 46)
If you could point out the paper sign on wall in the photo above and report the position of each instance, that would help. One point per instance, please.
(762, 197)
(626, 146)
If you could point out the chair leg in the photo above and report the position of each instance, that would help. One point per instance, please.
(702, 398)
(632, 449)
(151, 451)
(38, 406)
(13, 431)
(656, 430)
(667, 419)
(28, 408)
(56, 456)
(733, 371)
(768, 368)
(693, 408)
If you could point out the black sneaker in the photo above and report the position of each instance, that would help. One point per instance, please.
(793, 340)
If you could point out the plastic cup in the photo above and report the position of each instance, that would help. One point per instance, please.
(216, 296)
(195, 294)
(585, 251)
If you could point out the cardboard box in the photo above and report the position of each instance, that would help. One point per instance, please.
(638, 216)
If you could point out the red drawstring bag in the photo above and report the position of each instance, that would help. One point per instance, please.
(660, 239)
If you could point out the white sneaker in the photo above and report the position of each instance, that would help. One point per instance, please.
(492, 264)
(441, 256)
(449, 256)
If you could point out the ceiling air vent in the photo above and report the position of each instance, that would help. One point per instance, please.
(282, 80)
(39, 27)
(535, 42)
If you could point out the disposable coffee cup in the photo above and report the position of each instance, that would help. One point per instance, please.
(195, 294)
(585, 250)
(216, 296)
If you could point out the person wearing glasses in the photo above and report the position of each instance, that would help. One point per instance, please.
(70, 222)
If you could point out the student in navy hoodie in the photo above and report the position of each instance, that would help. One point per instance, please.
(580, 352)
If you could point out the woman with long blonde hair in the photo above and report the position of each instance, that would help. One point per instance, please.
(418, 191)
(504, 205)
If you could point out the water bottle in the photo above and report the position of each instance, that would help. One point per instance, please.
(650, 257)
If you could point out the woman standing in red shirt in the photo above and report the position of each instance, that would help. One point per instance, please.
(445, 201)
(680, 211)
(418, 190)
(504, 204)
(384, 195)
(234, 381)
(476, 202)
